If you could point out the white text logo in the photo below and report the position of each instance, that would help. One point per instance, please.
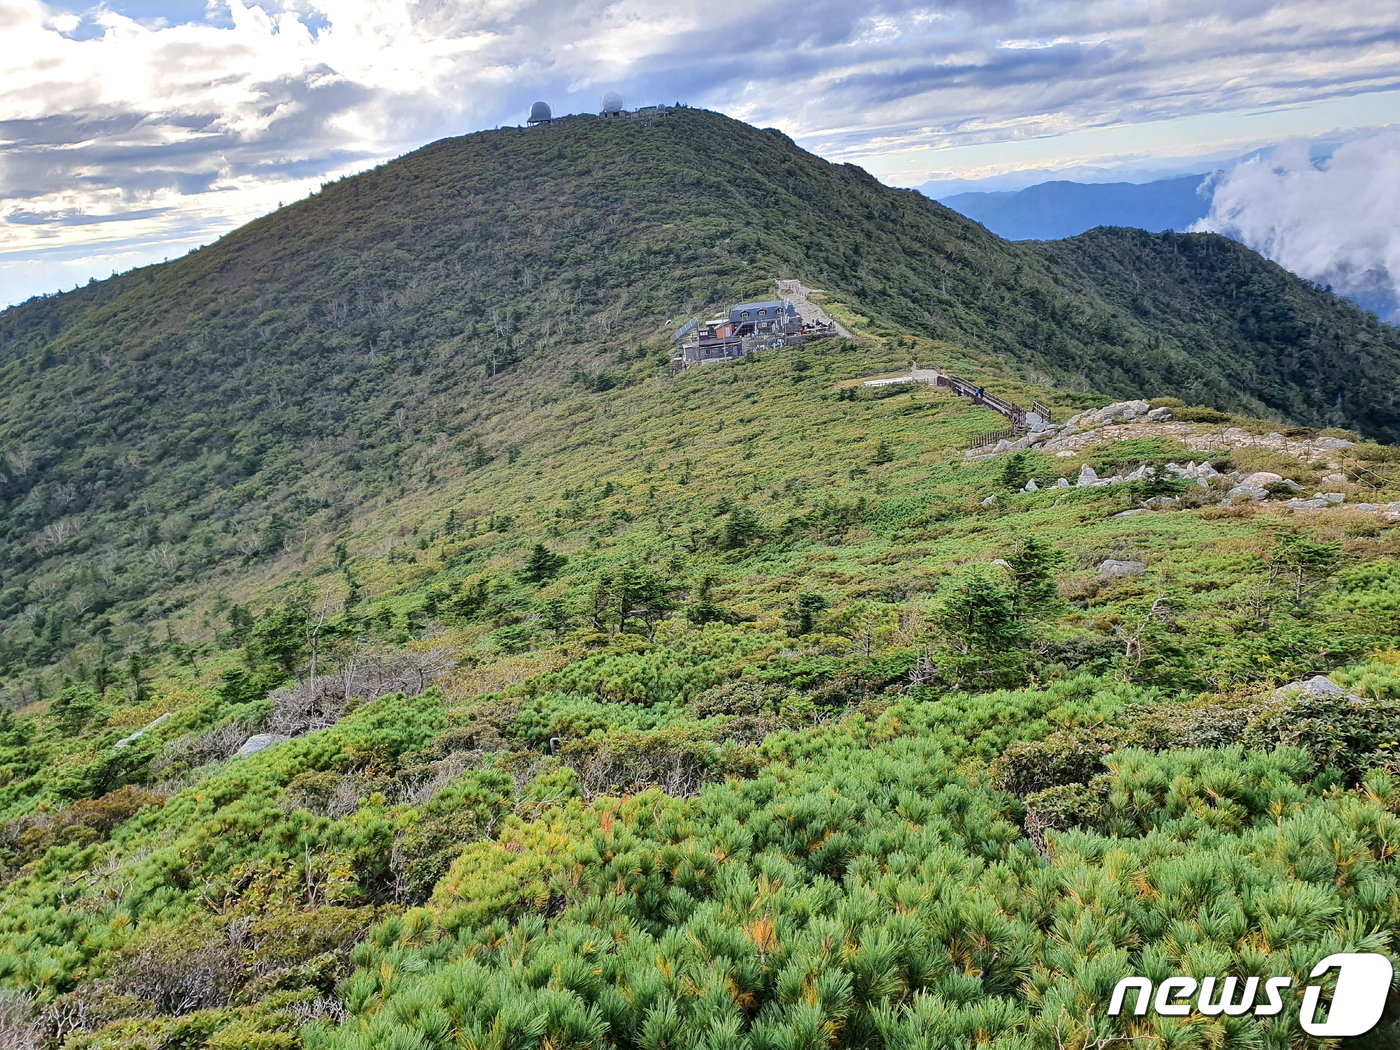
(1363, 983)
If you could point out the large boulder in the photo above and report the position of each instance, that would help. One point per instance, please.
(1331, 442)
(1243, 491)
(1159, 415)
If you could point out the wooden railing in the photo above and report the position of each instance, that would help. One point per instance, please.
(1043, 412)
(1014, 413)
(993, 436)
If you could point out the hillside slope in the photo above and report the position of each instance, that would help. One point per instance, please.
(729, 709)
(403, 659)
(183, 420)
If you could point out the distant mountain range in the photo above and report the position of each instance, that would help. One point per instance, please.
(1052, 210)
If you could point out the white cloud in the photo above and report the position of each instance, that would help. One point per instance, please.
(1335, 221)
(103, 116)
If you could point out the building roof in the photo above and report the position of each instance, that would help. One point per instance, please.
(773, 306)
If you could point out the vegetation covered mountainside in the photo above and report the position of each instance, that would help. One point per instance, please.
(169, 424)
(400, 657)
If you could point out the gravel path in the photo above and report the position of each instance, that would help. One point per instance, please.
(809, 310)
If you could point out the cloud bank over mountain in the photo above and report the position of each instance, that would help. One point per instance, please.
(139, 127)
(1335, 221)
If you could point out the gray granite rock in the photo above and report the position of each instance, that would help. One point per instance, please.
(1317, 685)
(259, 742)
(1113, 567)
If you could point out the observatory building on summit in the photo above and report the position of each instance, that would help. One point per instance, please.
(540, 112)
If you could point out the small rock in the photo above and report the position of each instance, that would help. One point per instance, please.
(1131, 513)
(1064, 453)
(1113, 567)
(1331, 497)
(1307, 504)
(1160, 415)
(259, 742)
(1365, 506)
(1331, 442)
(1262, 479)
(1162, 502)
(1087, 477)
(1243, 491)
(1235, 434)
(1002, 562)
(1031, 486)
(1063, 483)
(1335, 479)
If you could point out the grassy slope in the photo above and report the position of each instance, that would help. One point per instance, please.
(865, 814)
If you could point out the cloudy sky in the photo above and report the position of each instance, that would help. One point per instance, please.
(135, 129)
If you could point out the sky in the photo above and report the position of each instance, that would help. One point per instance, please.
(134, 130)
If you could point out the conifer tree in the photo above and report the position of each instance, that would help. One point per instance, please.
(1033, 572)
(979, 639)
(1015, 472)
(542, 565)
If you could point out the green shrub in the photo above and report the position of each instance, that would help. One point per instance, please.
(1062, 758)
(1334, 729)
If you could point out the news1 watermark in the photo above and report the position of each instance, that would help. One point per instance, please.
(1363, 984)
